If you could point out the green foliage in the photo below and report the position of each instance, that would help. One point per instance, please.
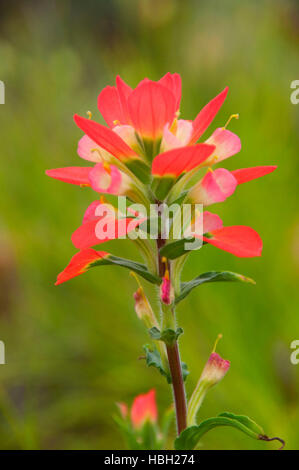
(190, 437)
(138, 268)
(212, 276)
(161, 187)
(140, 169)
(146, 438)
(153, 358)
(175, 249)
(168, 336)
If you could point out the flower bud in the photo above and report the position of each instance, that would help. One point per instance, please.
(166, 291)
(143, 309)
(166, 288)
(215, 369)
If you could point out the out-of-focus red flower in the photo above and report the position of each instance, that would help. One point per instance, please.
(144, 408)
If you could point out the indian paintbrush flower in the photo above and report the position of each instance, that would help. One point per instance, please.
(139, 423)
(144, 408)
(152, 156)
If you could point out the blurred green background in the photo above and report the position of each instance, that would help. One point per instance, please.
(72, 351)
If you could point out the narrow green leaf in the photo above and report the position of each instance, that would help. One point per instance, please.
(138, 268)
(246, 421)
(189, 438)
(177, 248)
(212, 276)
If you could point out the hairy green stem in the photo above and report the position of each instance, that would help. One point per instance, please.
(175, 366)
(196, 401)
(178, 386)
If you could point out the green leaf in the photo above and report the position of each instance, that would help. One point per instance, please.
(189, 438)
(155, 333)
(212, 276)
(175, 249)
(138, 268)
(161, 186)
(140, 169)
(168, 335)
(153, 358)
(246, 421)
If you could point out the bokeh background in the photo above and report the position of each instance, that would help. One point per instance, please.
(72, 351)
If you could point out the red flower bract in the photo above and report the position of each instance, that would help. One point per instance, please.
(151, 106)
(206, 116)
(80, 263)
(106, 138)
(180, 160)
(72, 174)
(144, 409)
(239, 240)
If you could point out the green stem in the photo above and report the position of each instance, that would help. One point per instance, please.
(196, 401)
(173, 354)
(178, 386)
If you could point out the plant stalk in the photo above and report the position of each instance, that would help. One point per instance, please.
(178, 386)
(174, 360)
